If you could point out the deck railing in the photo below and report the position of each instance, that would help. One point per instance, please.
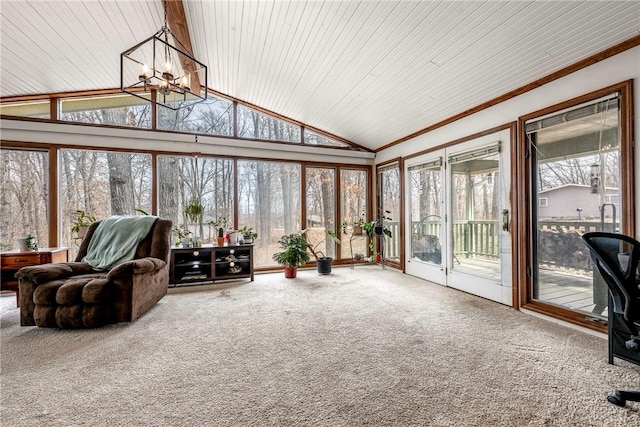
(476, 238)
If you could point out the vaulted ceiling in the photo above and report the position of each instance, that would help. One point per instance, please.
(371, 72)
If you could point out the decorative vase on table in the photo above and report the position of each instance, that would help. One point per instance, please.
(22, 245)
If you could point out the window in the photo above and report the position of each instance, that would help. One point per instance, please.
(24, 198)
(101, 184)
(206, 180)
(36, 109)
(313, 138)
(213, 117)
(576, 151)
(269, 202)
(255, 125)
(321, 208)
(353, 206)
(426, 204)
(115, 110)
(390, 200)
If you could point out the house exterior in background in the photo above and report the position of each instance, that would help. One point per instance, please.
(574, 201)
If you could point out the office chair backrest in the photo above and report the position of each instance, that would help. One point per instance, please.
(617, 256)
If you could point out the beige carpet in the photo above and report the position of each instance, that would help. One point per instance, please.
(360, 347)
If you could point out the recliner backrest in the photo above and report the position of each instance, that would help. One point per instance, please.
(155, 244)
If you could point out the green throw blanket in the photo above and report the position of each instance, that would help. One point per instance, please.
(116, 240)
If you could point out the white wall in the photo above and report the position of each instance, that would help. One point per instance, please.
(136, 139)
(622, 67)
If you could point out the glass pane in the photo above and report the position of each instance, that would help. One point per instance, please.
(425, 188)
(321, 209)
(389, 182)
(313, 138)
(36, 109)
(101, 184)
(475, 210)
(252, 124)
(208, 182)
(213, 116)
(269, 202)
(577, 184)
(118, 110)
(353, 205)
(24, 198)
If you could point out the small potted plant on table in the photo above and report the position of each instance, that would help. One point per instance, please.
(219, 225)
(82, 223)
(182, 233)
(248, 235)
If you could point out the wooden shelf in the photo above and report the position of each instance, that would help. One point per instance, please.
(209, 264)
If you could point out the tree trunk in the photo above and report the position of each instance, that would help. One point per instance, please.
(120, 183)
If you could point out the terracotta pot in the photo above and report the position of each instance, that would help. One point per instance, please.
(290, 272)
(220, 241)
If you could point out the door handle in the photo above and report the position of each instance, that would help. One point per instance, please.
(505, 219)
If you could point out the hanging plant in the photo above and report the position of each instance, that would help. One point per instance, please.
(194, 211)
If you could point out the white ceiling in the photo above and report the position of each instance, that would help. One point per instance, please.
(368, 71)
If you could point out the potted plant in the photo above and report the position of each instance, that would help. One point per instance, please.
(376, 228)
(82, 223)
(182, 233)
(323, 262)
(248, 234)
(294, 253)
(194, 211)
(219, 225)
(27, 244)
(31, 243)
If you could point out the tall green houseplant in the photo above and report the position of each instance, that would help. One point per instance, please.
(294, 253)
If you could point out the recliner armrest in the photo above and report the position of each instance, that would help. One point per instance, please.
(39, 274)
(136, 266)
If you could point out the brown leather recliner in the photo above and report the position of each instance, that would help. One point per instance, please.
(73, 295)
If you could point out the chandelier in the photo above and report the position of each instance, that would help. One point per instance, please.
(160, 70)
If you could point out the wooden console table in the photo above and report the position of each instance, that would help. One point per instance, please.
(12, 261)
(211, 263)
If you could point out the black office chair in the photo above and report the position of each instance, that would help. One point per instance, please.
(617, 256)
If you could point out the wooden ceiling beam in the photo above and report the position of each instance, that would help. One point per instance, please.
(177, 21)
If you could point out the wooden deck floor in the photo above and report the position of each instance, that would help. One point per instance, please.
(569, 290)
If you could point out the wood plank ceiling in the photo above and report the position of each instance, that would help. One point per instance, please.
(371, 72)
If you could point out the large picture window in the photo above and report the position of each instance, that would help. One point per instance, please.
(24, 207)
(578, 157)
(321, 208)
(269, 202)
(353, 206)
(101, 184)
(204, 180)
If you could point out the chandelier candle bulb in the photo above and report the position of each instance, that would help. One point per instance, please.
(184, 84)
(145, 73)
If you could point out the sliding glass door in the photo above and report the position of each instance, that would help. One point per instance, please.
(575, 182)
